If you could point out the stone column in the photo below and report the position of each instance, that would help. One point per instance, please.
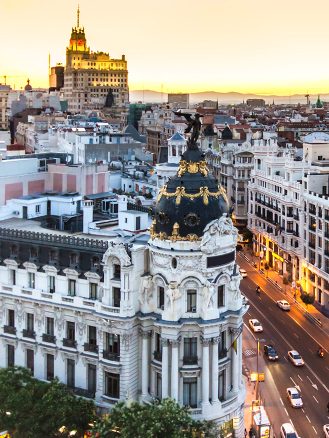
(145, 363)
(205, 370)
(165, 370)
(214, 370)
(174, 368)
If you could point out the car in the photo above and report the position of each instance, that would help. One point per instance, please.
(243, 273)
(283, 304)
(288, 431)
(295, 358)
(294, 397)
(326, 430)
(270, 352)
(255, 325)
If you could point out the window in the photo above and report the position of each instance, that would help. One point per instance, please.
(158, 385)
(93, 291)
(191, 300)
(37, 208)
(220, 296)
(161, 296)
(116, 271)
(190, 351)
(11, 318)
(72, 287)
(30, 360)
(112, 343)
(51, 284)
(92, 335)
(10, 355)
(31, 280)
(221, 385)
(70, 331)
(70, 373)
(112, 385)
(91, 378)
(12, 276)
(30, 322)
(190, 392)
(116, 296)
(50, 326)
(50, 367)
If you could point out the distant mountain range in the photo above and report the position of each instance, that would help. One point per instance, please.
(149, 96)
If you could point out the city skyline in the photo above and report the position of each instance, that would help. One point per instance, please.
(242, 48)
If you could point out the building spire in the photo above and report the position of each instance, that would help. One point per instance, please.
(78, 17)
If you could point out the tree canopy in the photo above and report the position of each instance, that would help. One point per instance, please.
(156, 420)
(32, 408)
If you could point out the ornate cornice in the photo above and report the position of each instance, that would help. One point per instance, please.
(192, 167)
(180, 193)
(175, 236)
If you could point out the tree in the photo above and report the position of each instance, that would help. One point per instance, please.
(307, 298)
(156, 420)
(31, 408)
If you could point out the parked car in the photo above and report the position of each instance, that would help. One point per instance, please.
(283, 304)
(255, 325)
(270, 352)
(295, 358)
(326, 430)
(294, 397)
(243, 273)
(288, 431)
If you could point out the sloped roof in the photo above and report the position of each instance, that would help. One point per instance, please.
(177, 137)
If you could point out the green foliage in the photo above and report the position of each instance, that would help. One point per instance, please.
(38, 409)
(307, 298)
(247, 235)
(157, 420)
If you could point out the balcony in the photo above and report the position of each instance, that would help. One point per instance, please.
(190, 360)
(71, 343)
(28, 333)
(51, 339)
(9, 329)
(92, 348)
(108, 355)
(158, 355)
(83, 392)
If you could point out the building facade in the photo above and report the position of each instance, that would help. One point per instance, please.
(93, 80)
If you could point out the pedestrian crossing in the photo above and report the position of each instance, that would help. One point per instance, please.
(249, 352)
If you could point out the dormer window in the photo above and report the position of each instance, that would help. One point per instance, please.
(191, 300)
(221, 296)
(117, 271)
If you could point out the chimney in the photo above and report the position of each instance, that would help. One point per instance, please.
(88, 214)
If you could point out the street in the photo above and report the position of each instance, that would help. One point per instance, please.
(287, 331)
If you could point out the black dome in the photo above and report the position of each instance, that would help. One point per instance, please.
(227, 133)
(189, 201)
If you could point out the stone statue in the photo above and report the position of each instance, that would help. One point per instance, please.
(145, 289)
(194, 125)
(173, 294)
(208, 295)
(234, 285)
(213, 232)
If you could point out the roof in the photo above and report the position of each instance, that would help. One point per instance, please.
(99, 195)
(177, 137)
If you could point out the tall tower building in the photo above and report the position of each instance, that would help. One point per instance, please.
(93, 80)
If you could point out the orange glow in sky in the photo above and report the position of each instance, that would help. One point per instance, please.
(273, 46)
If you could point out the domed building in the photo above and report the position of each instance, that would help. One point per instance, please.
(193, 303)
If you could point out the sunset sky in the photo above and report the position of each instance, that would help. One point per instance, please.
(273, 46)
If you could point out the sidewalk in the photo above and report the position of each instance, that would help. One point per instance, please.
(319, 318)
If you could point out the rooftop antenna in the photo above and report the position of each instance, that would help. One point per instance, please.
(78, 17)
(307, 98)
(49, 63)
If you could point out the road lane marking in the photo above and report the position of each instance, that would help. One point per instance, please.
(286, 412)
(281, 401)
(299, 377)
(295, 384)
(315, 399)
(296, 336)
(314, 430)
(313, 384)
(308, 418)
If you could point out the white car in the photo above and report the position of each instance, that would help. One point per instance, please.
(295, 358)
(243, 273)
(294, 397)
(255, 325)
(283, 304)
(326, 430)
(287, 431)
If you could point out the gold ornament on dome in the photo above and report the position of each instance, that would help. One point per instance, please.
(192, 167)
(174, 235)
(180, 193)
